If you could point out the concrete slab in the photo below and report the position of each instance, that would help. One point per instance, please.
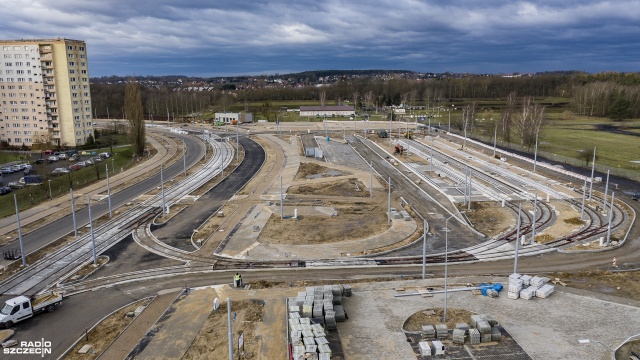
(544, 328)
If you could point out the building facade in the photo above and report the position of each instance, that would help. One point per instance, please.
(45, 97)
(340, 110)
(227, 117)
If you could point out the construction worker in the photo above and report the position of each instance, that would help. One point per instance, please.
(236, 280)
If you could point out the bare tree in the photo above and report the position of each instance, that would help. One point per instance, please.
(135, 115)
(323, 97)
(529, 121)
(506, 119)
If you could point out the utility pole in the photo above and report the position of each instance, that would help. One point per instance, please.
(389, 202)
(230, 328)
(610, 218)
(162, 190)
(593, 167)
(371, 179)
(584, 194)
(24, 260)
(606, 189)
(424, 249)
(535, 154)
(93, 239)
(515, 262)
(73, 213)
(535, 214)
(495, 140)
(281, 200)
(106, 166)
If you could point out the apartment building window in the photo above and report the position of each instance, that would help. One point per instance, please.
(17, 56)
(83, 64)
(9, 72)
(86, 101)
(72, 79)
(20, 79)
(83, 56)
(8, 64)
(72, 71)
(69, 47)
(85, 79)
(86, 94)
(16, 133)
(18, 63)
(76, 117)
(18, 140)
(20, 72)
(71, 56)
(6, 48)
(74, 87)
(83, 71)
(71, 63)
(81, 48)
(87, 109)
(75, 95)
(26, 118)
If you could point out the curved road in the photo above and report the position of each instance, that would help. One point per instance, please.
(52, 231)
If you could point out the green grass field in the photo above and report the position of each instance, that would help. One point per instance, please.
(32, 195)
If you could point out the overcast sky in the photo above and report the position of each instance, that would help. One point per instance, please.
(236, 37)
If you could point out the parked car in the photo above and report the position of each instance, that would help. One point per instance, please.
(16, 168)
(75, 167)
(29, 171)
(6, 170)
(39, 161)
(636, 197)
(47, 152)
(4, 190)
(53, 158)
(62, 156)
(31, 180)
(89, 162)
(97, 159)
(60, 171)
(15, 185)
(74, 157)
(105, 155)
(81, 163)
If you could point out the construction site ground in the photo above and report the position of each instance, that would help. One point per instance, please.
(542, 328)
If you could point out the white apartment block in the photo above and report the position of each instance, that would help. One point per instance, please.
(44, 93)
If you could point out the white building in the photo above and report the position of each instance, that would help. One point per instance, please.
(44, 92)
(228, 117)
(321, 111)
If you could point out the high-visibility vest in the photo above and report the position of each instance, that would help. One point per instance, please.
(237, 277)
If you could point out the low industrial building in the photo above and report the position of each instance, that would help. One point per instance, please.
(228, 117)
(321, 111)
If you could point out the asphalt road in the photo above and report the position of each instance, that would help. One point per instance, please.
(177, 232)
(50, 232)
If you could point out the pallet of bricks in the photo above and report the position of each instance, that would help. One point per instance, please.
(484, 329)
(526, 287)
(310, 314)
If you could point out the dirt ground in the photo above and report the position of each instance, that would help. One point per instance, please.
(622, 284)
(490, 218)
(564, 225)
(212, 340)
(345, 187)
(106, 332)
(424, 317)
(351, 223)
(309, 169)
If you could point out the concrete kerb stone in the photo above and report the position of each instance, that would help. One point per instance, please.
(66, 352)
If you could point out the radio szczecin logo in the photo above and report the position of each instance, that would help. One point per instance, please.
(30, 348)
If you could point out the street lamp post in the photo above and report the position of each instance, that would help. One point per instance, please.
(50, 194)
(446, 258)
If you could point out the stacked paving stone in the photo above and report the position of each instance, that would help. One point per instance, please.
(442, 332)
(486, 327)
(515, 286)
(308, 312)
(526, 287)
(544, 291)
(428, 331)
(459, 336)
(346, 290)
(474, 336)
